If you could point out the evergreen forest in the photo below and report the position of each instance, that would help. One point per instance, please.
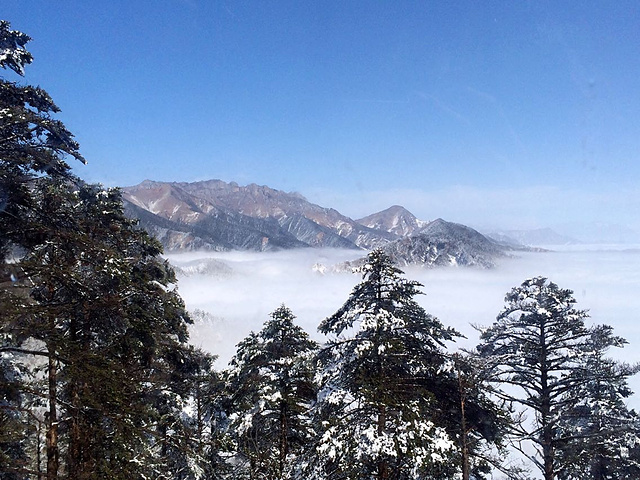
(98, 379)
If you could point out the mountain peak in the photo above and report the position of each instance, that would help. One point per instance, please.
(395, 219)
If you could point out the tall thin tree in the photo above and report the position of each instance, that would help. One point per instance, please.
(535, 344)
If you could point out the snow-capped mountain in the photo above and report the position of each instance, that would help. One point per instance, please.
(396, 219)
(441, 243)
(218, 215)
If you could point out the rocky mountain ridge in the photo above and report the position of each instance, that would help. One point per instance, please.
(206, 215)
(215, 215)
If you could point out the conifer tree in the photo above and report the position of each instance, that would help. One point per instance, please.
(379, 383)
(113, 333)
(33, 145)
(602, 435)
(88, 307)
(270, 380)
(536, 344)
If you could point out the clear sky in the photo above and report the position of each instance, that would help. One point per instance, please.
(513, 114)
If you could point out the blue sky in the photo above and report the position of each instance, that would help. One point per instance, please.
(513, 114)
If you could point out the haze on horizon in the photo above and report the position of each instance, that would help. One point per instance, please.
(509, 115)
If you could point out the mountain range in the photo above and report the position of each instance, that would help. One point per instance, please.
(215, 215)
(539, 236)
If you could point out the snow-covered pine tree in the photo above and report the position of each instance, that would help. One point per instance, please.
(271, 388)
(602, 435)
(32, 145)
(378, 374)
(96, 307)
(536, 344)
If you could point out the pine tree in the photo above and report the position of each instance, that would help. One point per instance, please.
(475, 421)
(602, 436)
(112, 333)
(270, 380)
(32, 143)
(93, 354)
(379, 376)
(536, 344)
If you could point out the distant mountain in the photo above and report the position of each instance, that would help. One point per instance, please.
(216, 215)
(503, 239)
(396, 220)
(441, 243)
(600, 233)
(221, 216)
(540, 236)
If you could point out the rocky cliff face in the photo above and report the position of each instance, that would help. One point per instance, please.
(217, 231)
(442, 243)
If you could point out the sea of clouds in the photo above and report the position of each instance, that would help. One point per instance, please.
(238, 291)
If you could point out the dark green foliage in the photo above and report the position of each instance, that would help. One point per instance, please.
(32, 145)
(113, 329)
(93, 355)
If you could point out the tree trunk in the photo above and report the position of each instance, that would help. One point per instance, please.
(74, 456)
(545, 409)
(284, 444)
(53, 460)
(464, 434)
(39, 452)
(383, 467)
(464, 440)
(547, 453)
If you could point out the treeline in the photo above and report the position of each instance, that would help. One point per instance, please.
(98, 380)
